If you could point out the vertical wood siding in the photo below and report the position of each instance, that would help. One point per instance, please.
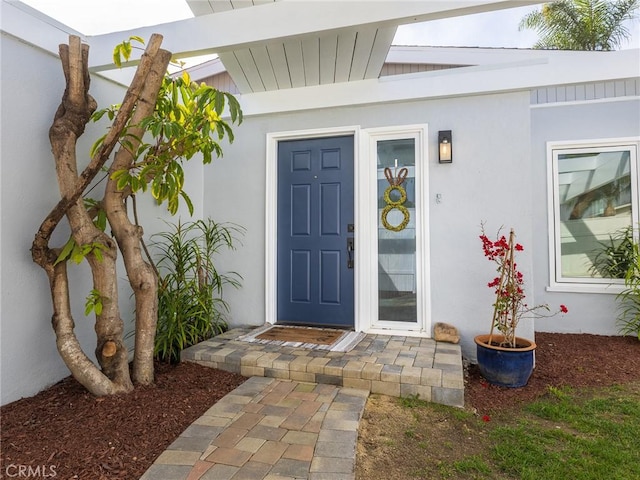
(224, 82)
(401, 68)
(586, 91)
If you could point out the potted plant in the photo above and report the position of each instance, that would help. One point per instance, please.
(503, 358)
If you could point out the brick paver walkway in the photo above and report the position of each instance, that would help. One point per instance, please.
(269, 429)
(297, 416)
(398, 366)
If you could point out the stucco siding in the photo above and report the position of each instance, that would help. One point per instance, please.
(588, 312)
(489, 180)
(31, 90)
(32, 86)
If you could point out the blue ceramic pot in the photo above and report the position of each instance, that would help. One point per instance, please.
(507, 367)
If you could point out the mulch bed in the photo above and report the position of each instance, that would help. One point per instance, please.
(84, 437)
(68, 432)
(562, 360)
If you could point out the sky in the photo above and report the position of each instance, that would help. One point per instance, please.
(494, 29)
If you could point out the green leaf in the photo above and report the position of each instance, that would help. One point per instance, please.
(187, 200)
(77, 254)
(123, 180)
(219, 103)
(117, 56)
(137, 39)
(66, 251)
(126, 50)
(93, 303)
(156, 188)
(96, 146)
(98, 114)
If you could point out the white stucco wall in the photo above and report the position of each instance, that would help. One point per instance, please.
(586, 121)
(31, 89)
(489, 180)
(32, 86)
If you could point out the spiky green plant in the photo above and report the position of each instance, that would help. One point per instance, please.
(615, 256)
(629, 300)
(190, 303)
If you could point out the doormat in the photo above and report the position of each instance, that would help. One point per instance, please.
(321, 336)
(304, 337)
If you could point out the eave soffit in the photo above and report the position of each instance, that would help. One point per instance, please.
(329, 41)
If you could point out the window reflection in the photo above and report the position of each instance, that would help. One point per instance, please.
(595, 205)
(396, 230)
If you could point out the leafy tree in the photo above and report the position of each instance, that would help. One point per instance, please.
(581, 24)
(181, 118)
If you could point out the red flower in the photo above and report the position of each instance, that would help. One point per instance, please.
(486, 418)
(563, 309)
(519, 247)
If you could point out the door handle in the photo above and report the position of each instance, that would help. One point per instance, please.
(351, 246)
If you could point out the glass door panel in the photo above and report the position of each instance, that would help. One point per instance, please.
(396, 193)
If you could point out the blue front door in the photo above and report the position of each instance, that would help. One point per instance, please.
(315, 231)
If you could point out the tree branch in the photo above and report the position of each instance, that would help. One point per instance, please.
(40, 244)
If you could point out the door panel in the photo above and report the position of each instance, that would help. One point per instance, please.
(300, 210)
(330, 209)
(315, 205)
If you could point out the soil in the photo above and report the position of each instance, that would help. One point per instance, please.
(84, 437)
(398, 441)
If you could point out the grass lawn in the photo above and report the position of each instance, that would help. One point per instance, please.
(584, 434)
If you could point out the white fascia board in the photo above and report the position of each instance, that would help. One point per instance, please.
(246, 27)
(33, 27)
(456, 82)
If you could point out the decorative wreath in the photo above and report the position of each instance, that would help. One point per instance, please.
(387, 195)
(402, 225)
(395, 184)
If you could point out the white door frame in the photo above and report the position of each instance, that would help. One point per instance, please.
(369, 213)
(271, 212)
(365, 217)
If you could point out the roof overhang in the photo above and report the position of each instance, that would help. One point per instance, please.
(272, 45)
(533, 69)
(286, 44)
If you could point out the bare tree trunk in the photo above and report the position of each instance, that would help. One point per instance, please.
(82, 368)
(142, 276)
(71, 118)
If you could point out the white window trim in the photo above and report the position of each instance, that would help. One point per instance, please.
(584, 285)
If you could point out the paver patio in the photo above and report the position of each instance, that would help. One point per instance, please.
(297, 416)
(389, 365)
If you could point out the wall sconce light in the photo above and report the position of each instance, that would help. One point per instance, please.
(445, 154)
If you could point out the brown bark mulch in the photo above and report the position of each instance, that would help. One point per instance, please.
(83, 437)
(562, 360)
(66, 431)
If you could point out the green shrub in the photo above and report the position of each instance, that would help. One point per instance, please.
(629, 298)
(614, 257)
(618, 258)
(190, 304)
